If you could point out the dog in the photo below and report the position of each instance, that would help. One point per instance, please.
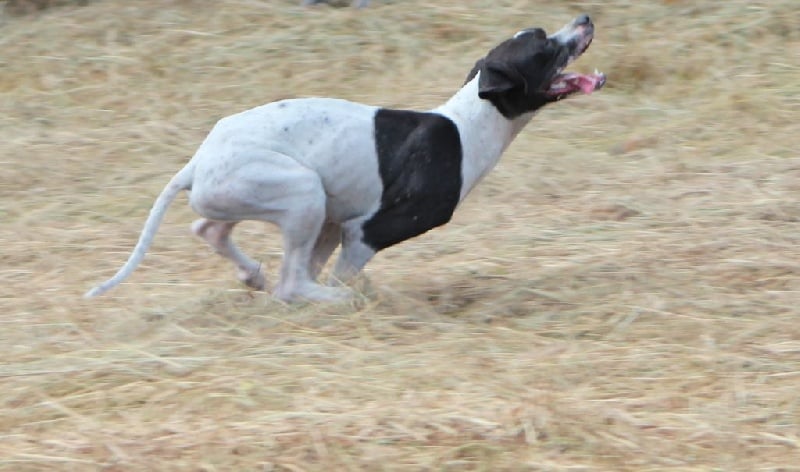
(331, 172)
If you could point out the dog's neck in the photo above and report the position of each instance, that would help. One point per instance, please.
(485, 133)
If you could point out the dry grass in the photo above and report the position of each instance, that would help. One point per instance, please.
(620, 294)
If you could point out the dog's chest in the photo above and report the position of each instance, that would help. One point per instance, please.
(419, 160)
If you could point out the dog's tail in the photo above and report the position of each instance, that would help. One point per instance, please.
(181, 181)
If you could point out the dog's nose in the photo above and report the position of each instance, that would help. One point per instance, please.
(581, 20)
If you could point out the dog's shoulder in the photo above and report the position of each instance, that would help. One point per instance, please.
(419, 160)
(401, 131)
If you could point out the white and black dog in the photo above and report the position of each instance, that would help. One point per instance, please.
(330, 171)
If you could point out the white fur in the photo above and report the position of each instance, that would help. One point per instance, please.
(485, 132)
(330, 137)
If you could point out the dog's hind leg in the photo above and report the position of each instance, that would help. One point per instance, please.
(266, 186)
(301, 224)
(218, 235)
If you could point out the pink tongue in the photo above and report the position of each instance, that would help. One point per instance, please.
(587, 83)
(582, 82)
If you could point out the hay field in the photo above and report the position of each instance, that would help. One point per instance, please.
(621, 294)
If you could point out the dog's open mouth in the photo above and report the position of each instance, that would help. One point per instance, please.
(568, 83)
(571, 82)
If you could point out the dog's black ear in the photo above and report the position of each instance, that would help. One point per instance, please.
(475, 69)
(498, 77)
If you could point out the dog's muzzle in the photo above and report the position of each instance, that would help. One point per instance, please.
(577, 35)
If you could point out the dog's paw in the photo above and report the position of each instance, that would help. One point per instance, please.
(314, 293)
(253, 279)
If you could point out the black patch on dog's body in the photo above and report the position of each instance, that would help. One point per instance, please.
(419, 159)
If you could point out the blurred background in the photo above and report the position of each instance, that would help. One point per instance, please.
(619, 294)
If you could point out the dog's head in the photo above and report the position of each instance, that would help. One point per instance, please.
(524, 73)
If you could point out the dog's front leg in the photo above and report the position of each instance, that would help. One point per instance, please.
(354, 256)
(328, 239)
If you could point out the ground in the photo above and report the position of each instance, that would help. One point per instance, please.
(620, 294)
